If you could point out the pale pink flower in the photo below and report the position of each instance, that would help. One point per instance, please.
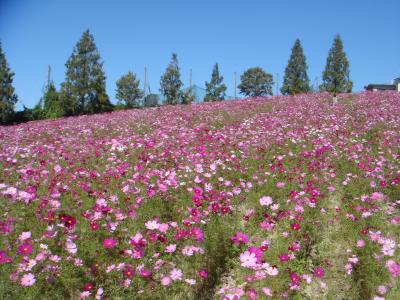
(165, 281)
(176, 274)
(84, 295)
(376, 196)
(360, 243)
(190, 281)
(267, 292)
(57, 168)
(24, 236)
(382, 289)
(28, 279)
(163, 227)
(170, 248)
(280, 184)
(265, 200)
(248, 260)
(152, 225)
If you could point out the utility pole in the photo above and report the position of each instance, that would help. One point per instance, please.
(190, 85)
(234, 85)
(190, 78)
(48, 76)
(316, 84)
(145, 81)
(277, 84)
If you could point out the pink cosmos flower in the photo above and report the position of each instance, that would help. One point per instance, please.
(267, 292)
(284, 257)
(28, 279)
(248, 259)
(267, 225)
(393, 267)
(319, 272)
(252, 294)
(145, 273)
(84, 295)
(197, 234)
(163, 227)
(24, 236)
(265, 201)
(376, 196)
(382, 289)
(152, 225)
(295, 278)
(170, 248)
(280, 184)
(165, 281)
(258, 253)
(203, 274)
(176, 274)
(240, 238)
(109, 243)
(128, 272)
(71, 247)
(360, 243)
(25, 249)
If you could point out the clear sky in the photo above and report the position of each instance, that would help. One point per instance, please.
(237, 34)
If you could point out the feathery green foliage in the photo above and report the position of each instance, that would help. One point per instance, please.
(128, 90)
(8, 98)
(336, 76)
(84, 89)
(256, 82)
(215, 89)
(296, 79)
(51, 103)
(170, 83)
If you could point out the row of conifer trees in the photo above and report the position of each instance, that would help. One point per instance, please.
(84, 88)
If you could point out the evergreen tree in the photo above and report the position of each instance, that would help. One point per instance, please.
(215, 89)
(8, 98)
(187, 96)
(256, 82)
(296, 79)
(336, 76)
(171, 83)
(84, 90)
(128, 90)
(51, 102)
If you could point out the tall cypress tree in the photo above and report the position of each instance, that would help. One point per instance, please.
(215, 89)
(84, 89)
(336, 76)
(170, 82)
(8, 98)
(296, 79)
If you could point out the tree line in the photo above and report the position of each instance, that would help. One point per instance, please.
(84, 88)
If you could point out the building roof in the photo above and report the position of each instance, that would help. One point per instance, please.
(380, 87)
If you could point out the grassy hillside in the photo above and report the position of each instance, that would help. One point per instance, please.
(280, 198)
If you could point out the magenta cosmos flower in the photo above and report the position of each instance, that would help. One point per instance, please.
(319, 272)
(25, 249)
(109, 243)
(240, 238)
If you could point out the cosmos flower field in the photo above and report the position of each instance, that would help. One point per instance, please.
(262, 198)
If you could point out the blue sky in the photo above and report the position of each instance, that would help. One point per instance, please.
(237, 34)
